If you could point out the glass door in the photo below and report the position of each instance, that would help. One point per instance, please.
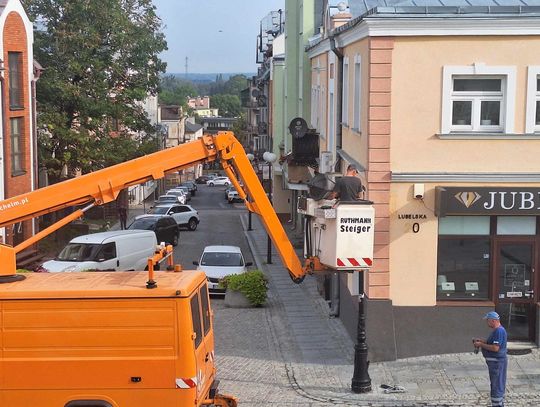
(515, 282)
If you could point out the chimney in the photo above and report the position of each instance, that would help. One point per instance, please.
(342, 17)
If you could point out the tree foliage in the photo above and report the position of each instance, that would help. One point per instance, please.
(175, 91)
(101, 60)
(228, 105)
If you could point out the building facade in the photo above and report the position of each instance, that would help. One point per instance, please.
(17, 81)
(441, 112)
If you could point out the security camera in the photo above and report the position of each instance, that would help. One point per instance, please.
(418, 191)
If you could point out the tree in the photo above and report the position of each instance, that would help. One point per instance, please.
(235, 85)
(175, 91)
(240, 128)
(228, 105)
(101, 60)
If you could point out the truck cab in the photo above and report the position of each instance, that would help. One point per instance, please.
(135, 342)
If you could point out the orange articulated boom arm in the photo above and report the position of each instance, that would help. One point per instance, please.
(104, 185)
(236, 164)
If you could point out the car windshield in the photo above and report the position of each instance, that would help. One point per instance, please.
(143, 223)
(159, 210)
(222, 259)
(79, 252)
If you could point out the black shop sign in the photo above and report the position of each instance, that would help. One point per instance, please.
(486, 201)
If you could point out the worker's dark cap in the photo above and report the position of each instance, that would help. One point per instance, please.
(352, 167)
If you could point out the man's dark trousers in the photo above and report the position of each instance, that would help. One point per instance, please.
(497, 377)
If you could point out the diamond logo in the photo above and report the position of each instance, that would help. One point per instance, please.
(467, 198)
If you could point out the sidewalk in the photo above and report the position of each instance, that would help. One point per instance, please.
(317, 354)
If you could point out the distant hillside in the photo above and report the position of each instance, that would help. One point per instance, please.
(208, 77)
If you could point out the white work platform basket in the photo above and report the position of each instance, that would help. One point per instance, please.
(344, 235)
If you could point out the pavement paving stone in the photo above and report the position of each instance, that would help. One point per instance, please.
(291, 353)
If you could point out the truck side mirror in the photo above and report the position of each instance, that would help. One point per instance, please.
(195, 263)
(249, 263)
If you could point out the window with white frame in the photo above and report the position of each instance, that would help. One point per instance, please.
(314, 104)
(357, 93)
(478, 98)
(345, 103)
(532, 119)
(477, 103)
(322, 122)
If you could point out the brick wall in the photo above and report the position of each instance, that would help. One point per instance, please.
(15, 40)
(378, 171)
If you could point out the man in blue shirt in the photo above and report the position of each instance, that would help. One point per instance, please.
(494, 351)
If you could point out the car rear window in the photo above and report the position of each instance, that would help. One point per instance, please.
(142, 223)
(222, 259)
(159, 210)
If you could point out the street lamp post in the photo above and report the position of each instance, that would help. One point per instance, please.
(270, 158)
(361, 382)
(250, 157)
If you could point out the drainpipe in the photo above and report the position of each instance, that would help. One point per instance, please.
(3, 231)
(334, 291)
(339, 96)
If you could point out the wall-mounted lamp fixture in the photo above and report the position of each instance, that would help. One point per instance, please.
(418, 191)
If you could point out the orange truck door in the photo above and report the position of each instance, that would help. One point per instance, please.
(208, 332)
(198, 343)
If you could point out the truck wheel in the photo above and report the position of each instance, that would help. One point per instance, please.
(192, 224)
(175, 240)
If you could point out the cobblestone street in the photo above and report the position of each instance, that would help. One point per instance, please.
(290, 353)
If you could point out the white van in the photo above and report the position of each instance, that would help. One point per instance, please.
(114, 250)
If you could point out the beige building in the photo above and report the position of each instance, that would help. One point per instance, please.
(440, 108)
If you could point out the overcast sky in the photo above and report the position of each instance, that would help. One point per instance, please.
(218, 36)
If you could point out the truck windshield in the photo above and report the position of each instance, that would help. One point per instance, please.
(79, 252)
(222, 259)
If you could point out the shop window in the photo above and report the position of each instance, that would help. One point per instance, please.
(516, 225)
(478, 99)
(463, 258)
(464, 225)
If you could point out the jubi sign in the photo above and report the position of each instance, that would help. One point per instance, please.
(487, 201)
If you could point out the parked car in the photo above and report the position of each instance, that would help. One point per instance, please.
(184, 215)
(233, 196)
(227, 190)
(165, 228)
(180, 199)
(219, 181)
(178, 192)
(191, 186)
(202, 179)
(113, 250)
(185, 189)
(220, 261)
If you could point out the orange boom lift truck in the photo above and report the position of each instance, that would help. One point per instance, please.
(119, 339)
